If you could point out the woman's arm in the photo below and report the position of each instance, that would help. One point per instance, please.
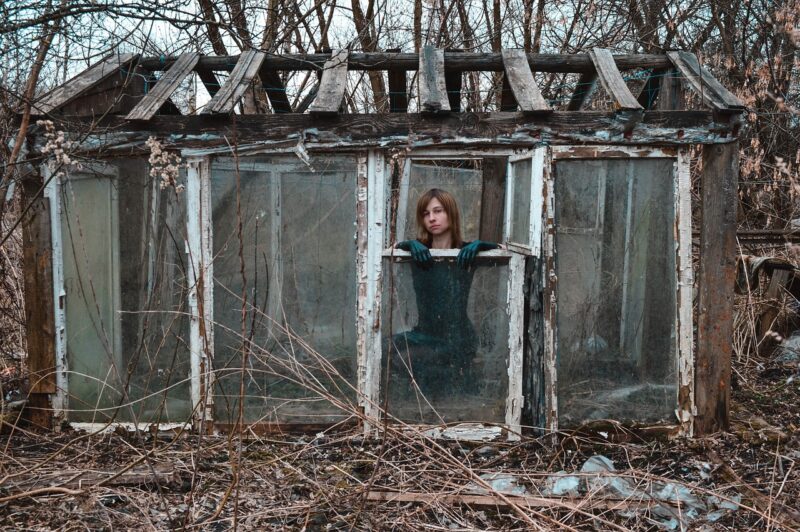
(418, 250)
(468, 253)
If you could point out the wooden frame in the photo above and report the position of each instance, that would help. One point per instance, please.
(684, 401)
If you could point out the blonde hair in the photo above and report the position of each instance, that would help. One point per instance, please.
(450, 207)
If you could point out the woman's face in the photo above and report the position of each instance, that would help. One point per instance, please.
(435, 218)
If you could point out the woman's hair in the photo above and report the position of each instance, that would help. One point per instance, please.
(450, 207)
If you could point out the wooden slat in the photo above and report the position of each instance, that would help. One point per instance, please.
(242, 76)
(398, 93)
(716, 279)
(39, 305)
(83, 82)
(520, 78)
(276, 91)
(583, 91)
(453, 80)
(332, 85)
(612, 81)
(671, 96)
(152, 102)
(209, 79)
(432, 86)
(711, 91)
(462, 61)
(493, 198)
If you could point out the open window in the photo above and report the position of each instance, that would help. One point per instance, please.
(445, 331)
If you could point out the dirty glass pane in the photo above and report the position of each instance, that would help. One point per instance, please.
(445, 334)
(125, 295)
(462, 179)
(615, 264)
(284, 292)
(521, 205)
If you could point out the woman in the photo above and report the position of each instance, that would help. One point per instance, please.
(440, 348)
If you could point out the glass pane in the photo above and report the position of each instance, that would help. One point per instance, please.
(446, 332)
(521, 207)
(125, 284)
(615, 261)
(284, 293)
(463, 179)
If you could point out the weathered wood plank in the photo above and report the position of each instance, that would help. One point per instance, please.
(671, 96)
(512, 129)
(209, 80)
(460, 61)
(432, 87)
(240, 80)
(276, 90)
(717, 275)
(583, 90)
(152, 102)
(452, 82)
(83, 82)
(493, 198)
(332, 85)
(612, 81)
(700, 80)
(520, 78)
(398, 92)
(39, 310)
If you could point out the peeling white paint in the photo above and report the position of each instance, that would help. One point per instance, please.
(52, 192)
(684, 321)
(201, 340)
(516, 332)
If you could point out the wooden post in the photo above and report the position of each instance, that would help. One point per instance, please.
(717, 274)
(39, 310)
(493, 198)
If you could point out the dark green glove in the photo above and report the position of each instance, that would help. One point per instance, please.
(418, 250)
(468, 252)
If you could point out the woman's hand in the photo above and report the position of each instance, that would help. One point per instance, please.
(420, 253)
(468, 252)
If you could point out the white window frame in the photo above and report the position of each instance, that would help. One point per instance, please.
(516, 277)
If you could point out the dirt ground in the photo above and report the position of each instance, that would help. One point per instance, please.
(122, 480)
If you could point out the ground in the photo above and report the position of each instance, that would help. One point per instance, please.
(320, 481)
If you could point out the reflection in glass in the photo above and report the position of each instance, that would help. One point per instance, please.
(615, 265)
(125, 282)
(445, 338)
(284, 287)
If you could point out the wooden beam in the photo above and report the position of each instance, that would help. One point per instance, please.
(39, 307)
(493, 198)
(511, 129)
(241, 78)
(583, 90)
(612, 81)
(524, 501)
(209, 80)
(398, 92)
(432, 87)
(671, 96)
(519, 78)
(457, 61)
(276, 90)
(452, 83)
(716, 279)
(700, 80)
(152, 102)
(332, 85)
(83, 82)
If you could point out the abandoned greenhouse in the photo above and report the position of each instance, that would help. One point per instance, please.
(239, 265)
